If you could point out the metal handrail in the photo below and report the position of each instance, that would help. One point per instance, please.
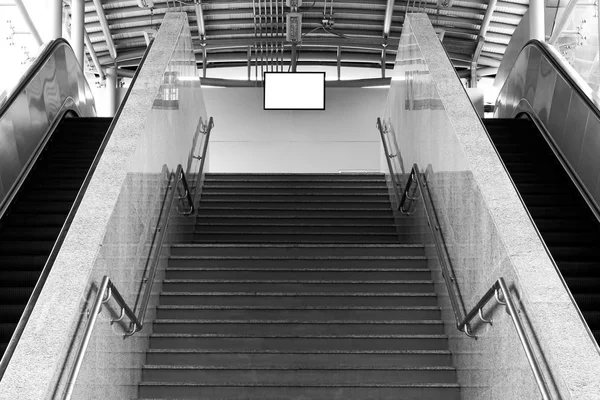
(187, 196)
(388, 158)
(499, 287)
(108, 289)
(205, 129)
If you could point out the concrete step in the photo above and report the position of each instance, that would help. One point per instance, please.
(298, 299)
(305, 229)
(323, 313)
(259, 391)
(294, 237)
(223, 177)
(295, 197)
(301, 220)
(339, 274)
(377, 251)
(290, 374)
(307, 358)
(299, 262)
(292, 204)
(294, 286)
(293, 343)
(293, 188)
(299, 327)
(305, 210)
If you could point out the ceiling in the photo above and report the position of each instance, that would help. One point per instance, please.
(237, 30)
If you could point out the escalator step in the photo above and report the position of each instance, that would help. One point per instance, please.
(26, 247)
(574, 268)
(574, 253)
(583, 284)
(27, 233)
(11, 295)
(23, 262)
(6, 331)
(27, 207)
(570, 238)
(11, 313)
(587, 301)
(35, 220)
(16, 278)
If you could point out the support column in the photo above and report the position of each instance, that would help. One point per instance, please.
(537, 28)
(77, 29)
(111, 87)
(55, 18)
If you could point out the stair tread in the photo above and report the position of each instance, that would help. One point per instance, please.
(303, 308)
(300, 367)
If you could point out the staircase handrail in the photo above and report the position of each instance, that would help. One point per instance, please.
(108, 290)
(205, 130)
(498, 288)
(388, 157)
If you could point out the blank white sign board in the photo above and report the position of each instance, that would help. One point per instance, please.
(294, 91)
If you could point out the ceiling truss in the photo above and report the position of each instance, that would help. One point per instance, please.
(238, 33)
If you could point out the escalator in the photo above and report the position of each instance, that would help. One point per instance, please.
(31, 225)
(565, 221)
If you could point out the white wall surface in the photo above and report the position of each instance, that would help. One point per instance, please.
(343, 138)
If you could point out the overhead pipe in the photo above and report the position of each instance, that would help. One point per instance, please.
(200, 19)
(387, 21)
(29, 22)
(95, 61)
(105, 29)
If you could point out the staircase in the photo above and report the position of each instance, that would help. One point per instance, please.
(297, 287)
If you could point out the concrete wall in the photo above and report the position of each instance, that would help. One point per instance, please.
(488, 235)
(248, 139)
(111, 235)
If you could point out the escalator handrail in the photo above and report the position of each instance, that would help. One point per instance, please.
(565, 70)
(463, 319)
(31, 72)
(8, 353)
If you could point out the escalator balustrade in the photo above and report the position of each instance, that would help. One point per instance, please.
(30, 227)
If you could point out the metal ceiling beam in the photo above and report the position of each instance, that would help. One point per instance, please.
(95, 60)
(251, 83)
(29, 22)
(564, 19)
(104, 24)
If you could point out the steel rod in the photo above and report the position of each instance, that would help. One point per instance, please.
(97, 306)
(539, 378)
(389, 161)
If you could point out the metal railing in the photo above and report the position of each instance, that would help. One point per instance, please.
(498, 291)
(108, 290)
(205, 130)
(388, 157)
